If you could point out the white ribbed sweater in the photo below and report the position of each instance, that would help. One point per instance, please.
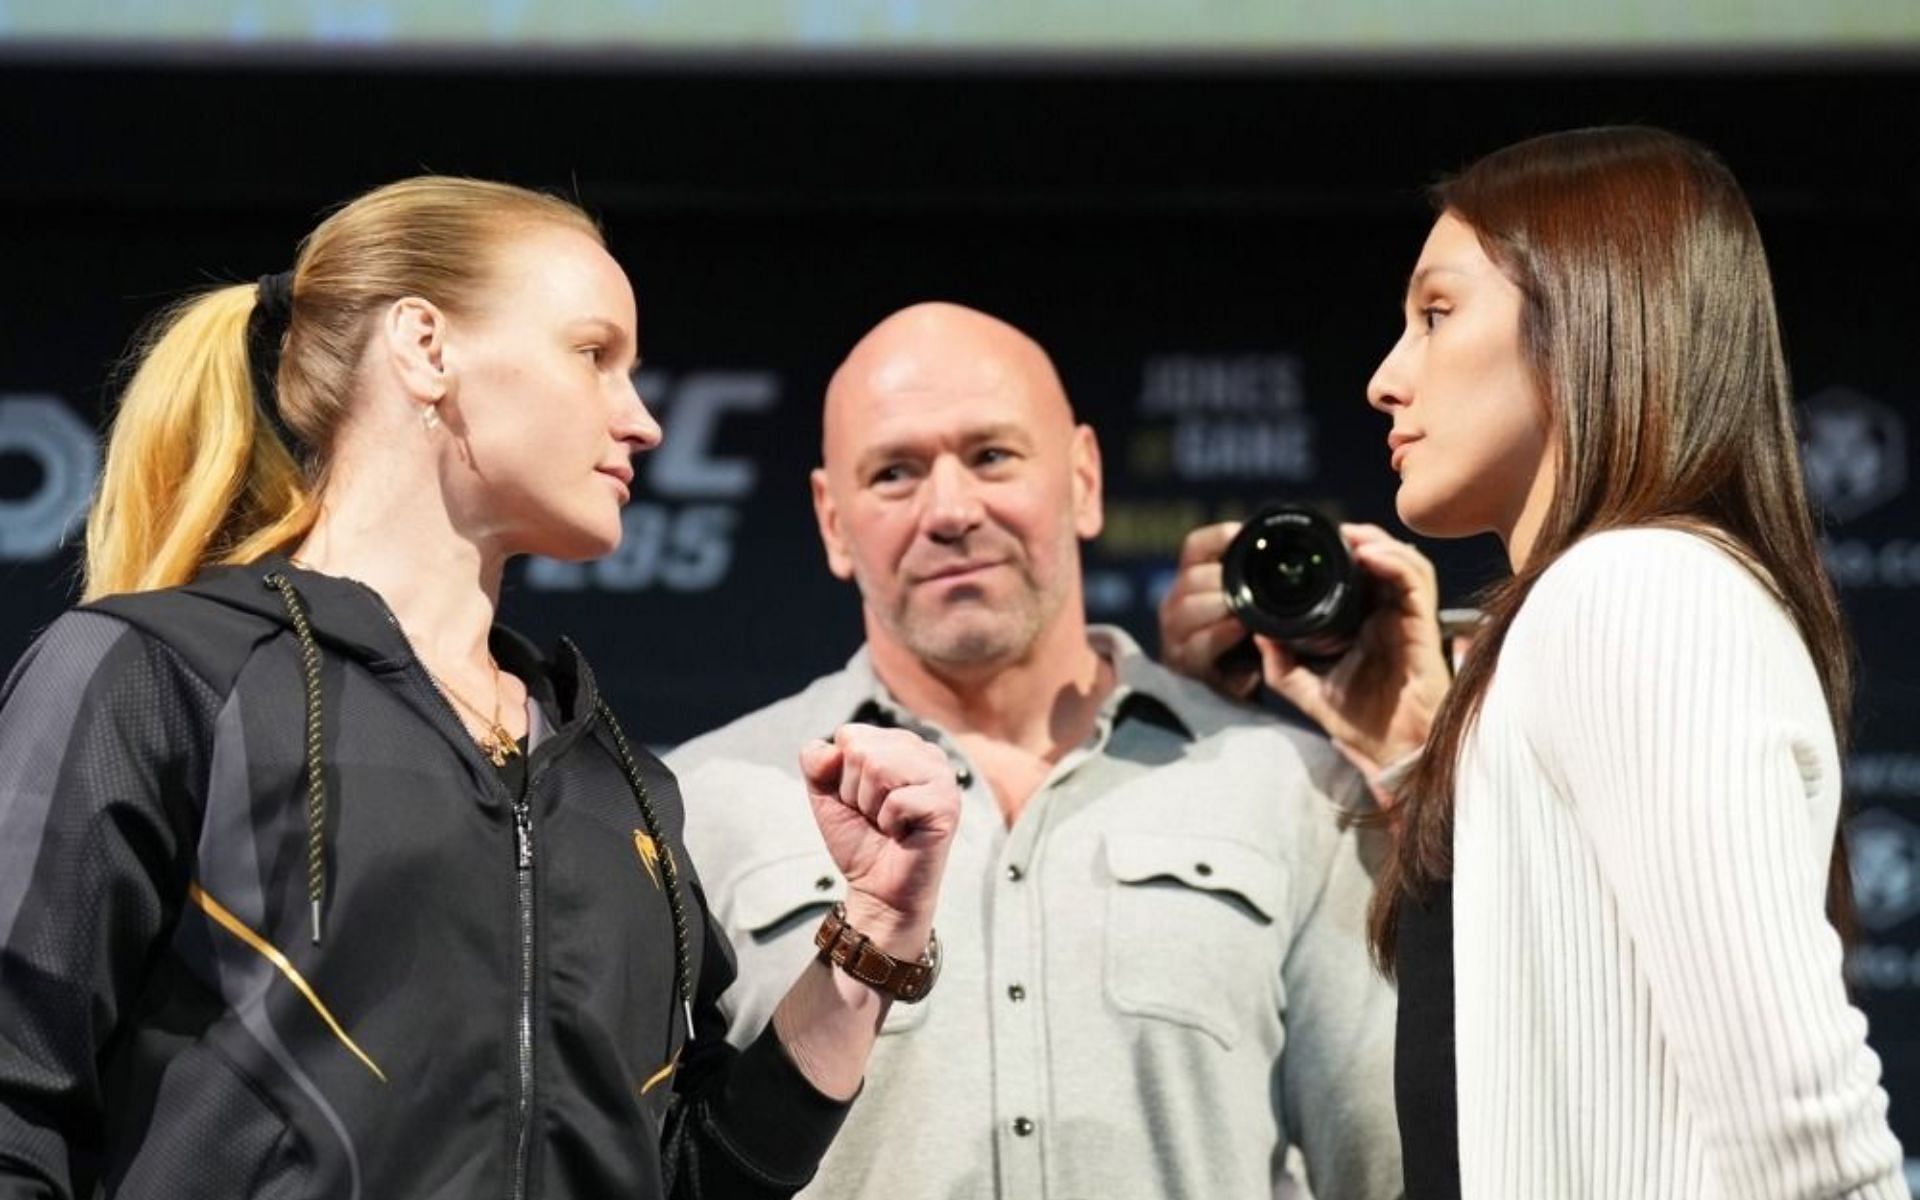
(1649, 997)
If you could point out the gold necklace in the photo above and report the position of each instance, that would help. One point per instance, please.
(497, 744)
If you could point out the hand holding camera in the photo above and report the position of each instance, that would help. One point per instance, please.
(1340, 620)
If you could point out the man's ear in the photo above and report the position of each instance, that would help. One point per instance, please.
(827, 515)
(414, 333)
(1089, 513)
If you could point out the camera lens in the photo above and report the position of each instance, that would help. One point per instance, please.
(1287, 572)
(1288, 575)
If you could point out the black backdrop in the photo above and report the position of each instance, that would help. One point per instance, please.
(1214, 258)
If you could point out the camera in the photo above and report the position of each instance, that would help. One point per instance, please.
(1288, 575)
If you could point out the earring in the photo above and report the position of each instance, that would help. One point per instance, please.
(430, 417)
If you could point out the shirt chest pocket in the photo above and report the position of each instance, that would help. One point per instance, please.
(1190, 931)
(774, 911)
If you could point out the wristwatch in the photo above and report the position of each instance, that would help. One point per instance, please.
(853, 952)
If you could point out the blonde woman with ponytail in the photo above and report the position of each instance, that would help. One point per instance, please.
(314, 880)
(1617, 906)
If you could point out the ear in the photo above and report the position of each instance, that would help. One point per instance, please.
(827, 514)
(414, 332)
(1089, 513)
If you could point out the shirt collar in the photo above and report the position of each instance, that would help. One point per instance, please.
(1143, 689)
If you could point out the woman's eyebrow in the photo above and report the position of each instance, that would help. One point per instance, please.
(1428, 271)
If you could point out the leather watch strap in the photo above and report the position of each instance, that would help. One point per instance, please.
(850, 950)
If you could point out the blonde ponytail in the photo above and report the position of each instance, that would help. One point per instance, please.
(193, 475)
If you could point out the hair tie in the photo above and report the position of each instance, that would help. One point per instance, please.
(273, 296)
(266, 330)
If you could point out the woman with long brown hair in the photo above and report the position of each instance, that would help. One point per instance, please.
(314, 880)
(1615, 905)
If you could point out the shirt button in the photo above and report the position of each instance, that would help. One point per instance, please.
(1203, 869)
(1015, 874)
(1016, 993)
(1022, 1127)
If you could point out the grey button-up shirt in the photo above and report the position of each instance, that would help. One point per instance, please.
(1155, 982)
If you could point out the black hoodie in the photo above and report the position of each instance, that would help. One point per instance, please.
(482, 1002)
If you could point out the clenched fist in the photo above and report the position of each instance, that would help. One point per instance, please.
(887, 805)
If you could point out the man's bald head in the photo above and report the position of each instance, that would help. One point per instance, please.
(954, 488)
(939, 349)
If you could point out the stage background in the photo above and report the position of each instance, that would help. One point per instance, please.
(1213, 252)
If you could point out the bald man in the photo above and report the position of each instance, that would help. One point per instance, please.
(1154, 982)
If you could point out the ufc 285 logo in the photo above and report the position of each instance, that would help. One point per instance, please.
(679, 534)
(51, 460)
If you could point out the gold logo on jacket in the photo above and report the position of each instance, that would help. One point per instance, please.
(649, 855)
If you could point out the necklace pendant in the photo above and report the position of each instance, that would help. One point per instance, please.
(499, 746)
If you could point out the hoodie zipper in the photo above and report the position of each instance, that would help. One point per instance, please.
(523, 894)
(523, 873)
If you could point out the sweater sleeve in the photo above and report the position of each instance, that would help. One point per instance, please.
(746, 1124)
(97, 753)
(1683, 717)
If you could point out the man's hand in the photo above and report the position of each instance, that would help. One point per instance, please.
(1196, 626)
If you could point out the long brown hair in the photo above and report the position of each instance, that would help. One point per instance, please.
(193, 475)
(1649, 329)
